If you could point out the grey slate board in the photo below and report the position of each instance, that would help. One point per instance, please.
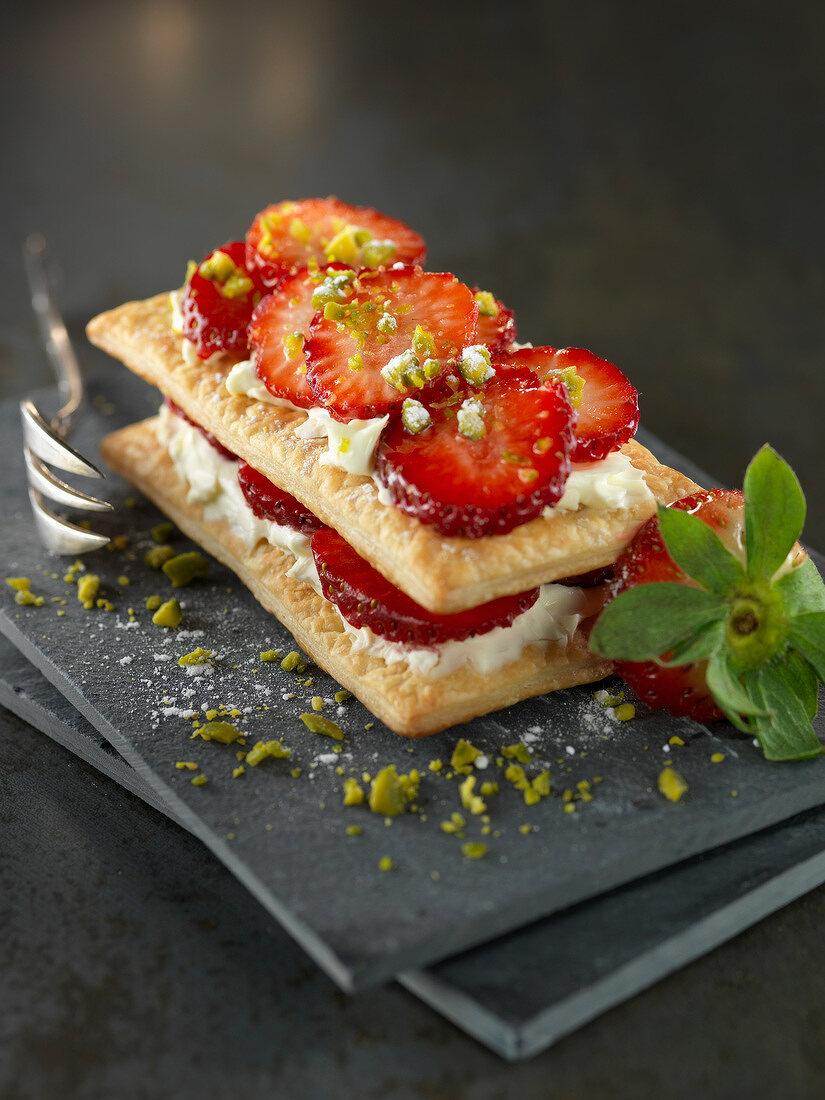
(522, 992)
(363, 925)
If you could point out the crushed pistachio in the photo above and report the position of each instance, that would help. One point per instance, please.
(518, 751)
(374, 253)
(474, 849)
(185, 568)
(390, 792)
(470, 801)
(317, 723)
(386, 325)
(168, 614)
(672, 784)
(487, 305)
(336, 287)
(675, 740)
(354, 830)
(163, 532)
(21, 584)
(190, 765)
(342, 696)
(224, 732)
(489, 789)
(463, 754)
(293, 344)
(152, 603)
(157, 557)
(238, 772)
(625, 712)
(316, 702)
(123, 580)
(454, 825)
(107, 605)
(264, 749)
(270, 655)
(414, 416)
(435, 765)
(87, 589)
(574, 382)
(470, 419)
(291, 661)
(353, 793)
(605, 699)
(198, 780)
(475, 365)
(385, 864)
(717, 757)
(403, 371)
(196, 657)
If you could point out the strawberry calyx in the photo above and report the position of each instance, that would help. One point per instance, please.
(366, 598)
(218, 300)
(717, 611)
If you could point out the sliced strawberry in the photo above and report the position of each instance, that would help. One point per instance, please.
(375, 328)
(278, 329)
(366, 598)
(517, 464)
(267, 501)
(609, 409)
(291, 235)
(218, 301)
(681, 690)
(219, 447)
(496, 323)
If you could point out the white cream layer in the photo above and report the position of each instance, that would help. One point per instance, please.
(213, 483)
(613, 482)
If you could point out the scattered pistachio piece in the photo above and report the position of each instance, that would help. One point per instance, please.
(353, 793)
(264, 749)
(672, 784)
(184, 568)
(474, 849)
(163, 532)
(317, 723)
(390, 792)
(196, 657)
(168, 614)
(157, 557)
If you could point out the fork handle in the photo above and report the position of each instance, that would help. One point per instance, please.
(54, 334)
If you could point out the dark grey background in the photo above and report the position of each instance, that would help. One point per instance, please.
(642, 179)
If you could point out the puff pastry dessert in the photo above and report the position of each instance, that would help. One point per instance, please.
(367, 447)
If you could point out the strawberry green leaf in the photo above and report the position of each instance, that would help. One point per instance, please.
(698, 648)
(808, 682)
(802, 589)
(807, 635)
(786, 732)
(698, 550)
(774, 512)
(731, 696)
(646, 621)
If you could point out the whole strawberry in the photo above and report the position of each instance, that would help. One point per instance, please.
(718, 612)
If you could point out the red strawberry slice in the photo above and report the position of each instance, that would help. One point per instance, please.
(219, 447)
(291, 235)
(376, 328)
(277, 332)
(609, 409)
(218, 301)
(366, 598)
(681, 690)
(517, 464)
(496, 323)
(267, 501)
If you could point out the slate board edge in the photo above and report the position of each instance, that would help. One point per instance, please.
(516, 1043)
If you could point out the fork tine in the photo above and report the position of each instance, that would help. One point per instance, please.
(41, 477)
(59, 535)
(49, 446)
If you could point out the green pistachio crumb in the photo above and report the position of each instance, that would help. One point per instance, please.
(353, 793)
(317, 723)
(268, 656)
(717, 757)
(474, 849)
(152, 603)
(464, 753)
(402, 371)
(295, 772)
(488, 789)
(574, 382)
(518, 751)
(123, 580)
(88, 587)
(390, 793)
(264, 749)
(374, 253)
(238, 772)
(471, 419)
(157, 557)
(189, 765)
(625, 712)
(354, 830)
(291, 661)
(415, 417)
(107, 605)
(435, 765)
(21, 584)
(224, 732)
(316, 702)
(342, 696)
(475, 365)
(385, 864)
(184, 568)
(672, 784)
(168, 614)
(199, 780)
(196, 657)
(470, 801)
(163, 532)
(487, 306)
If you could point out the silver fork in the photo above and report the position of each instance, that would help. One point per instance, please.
(45, 441)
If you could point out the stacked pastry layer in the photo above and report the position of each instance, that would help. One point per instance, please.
(410, 691)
